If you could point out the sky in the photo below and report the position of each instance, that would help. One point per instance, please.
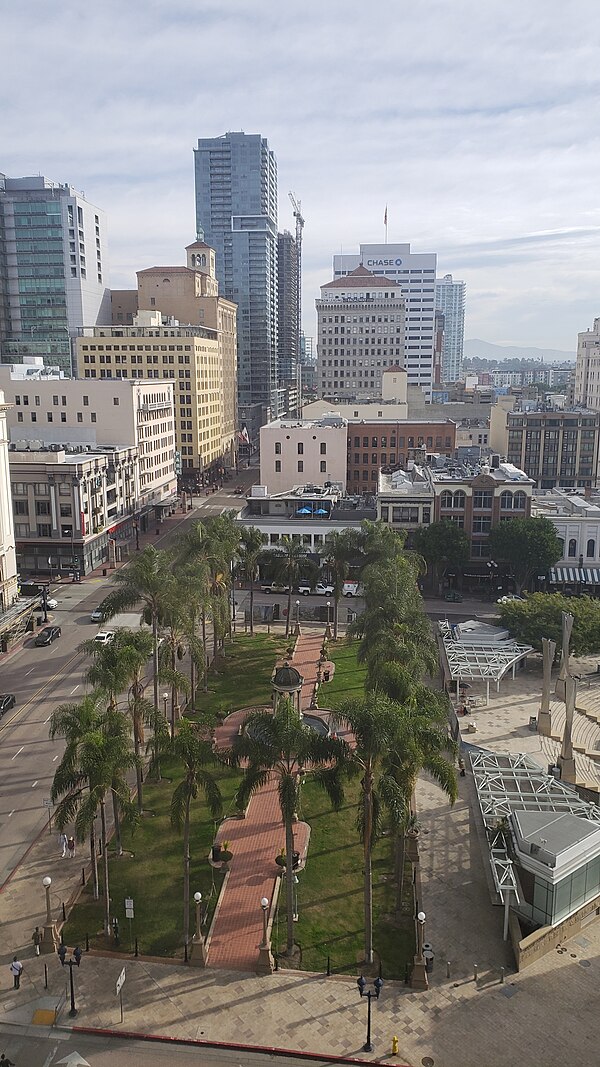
(474, 121)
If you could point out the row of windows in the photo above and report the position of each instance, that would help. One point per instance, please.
(322, 466)
(85, 400)
(50, 416)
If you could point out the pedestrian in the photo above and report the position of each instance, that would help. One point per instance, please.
(16, 969)
(62, 844)
(37, 937)
(5, 1060)
(71, 847)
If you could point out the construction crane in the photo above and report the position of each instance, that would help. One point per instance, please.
(297, 206)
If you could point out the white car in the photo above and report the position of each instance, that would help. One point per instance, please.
(52, 603)
(97, 615)
(104, 637)
(509, 598)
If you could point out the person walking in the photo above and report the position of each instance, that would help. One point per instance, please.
(71, 847)
(16, 969)
(4, 1060)
(37, 937)
(62, 844)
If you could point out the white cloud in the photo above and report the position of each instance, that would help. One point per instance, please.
(474, 122)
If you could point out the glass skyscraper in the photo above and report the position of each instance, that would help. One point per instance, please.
(450, 300)
(52, 264)
(236, 214)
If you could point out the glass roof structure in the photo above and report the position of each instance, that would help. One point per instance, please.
(473, 656)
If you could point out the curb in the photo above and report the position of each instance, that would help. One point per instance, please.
(269, 1050)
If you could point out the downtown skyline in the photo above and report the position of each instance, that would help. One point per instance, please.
(471, 126)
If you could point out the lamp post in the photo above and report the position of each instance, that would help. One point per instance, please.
(369, 994)
(50, 938)
(266, 964)
(419, 978)
(492, 570)
(328, 627)
(297, 630)
(198, 938)
(75, 961)
(295, 915)
(165, 702)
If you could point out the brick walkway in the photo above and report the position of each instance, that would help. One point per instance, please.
(255, 842)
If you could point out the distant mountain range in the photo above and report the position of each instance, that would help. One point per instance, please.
(487, 350)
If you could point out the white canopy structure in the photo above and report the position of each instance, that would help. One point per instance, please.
(477, 651)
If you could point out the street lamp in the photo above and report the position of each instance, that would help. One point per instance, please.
(328, 627)
(295, 915)
(419, 978)
(198, 938)
(492, 567)
(266, 963)
(75, 961)
(369, 994)
(165, 701)
(297, 619)
(50, 939)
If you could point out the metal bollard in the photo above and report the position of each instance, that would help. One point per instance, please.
(328, 966)
(83, 875)
(447, 968)
(136, 948)
(394, 1046)
(87, 942)
(276, 962)
(502, 976)
(64, 912)
(474, 972)
(45, 976)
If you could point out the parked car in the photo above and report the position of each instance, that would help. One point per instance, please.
(272, 587)
(97, 614)
(52, 603)
(352, 589)
(7, 701)
(453, 595)
(509, 598)
(47, 635)
(104, 637)
(320, 589)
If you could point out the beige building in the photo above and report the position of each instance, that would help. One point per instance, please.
(303, 451)
(499, 424)
(190, 296)
(8, 559)
(587, 368)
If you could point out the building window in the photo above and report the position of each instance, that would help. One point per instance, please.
(116, 401)
(80, 416)
(300, 448)
(44, 529)
(278, 448)
(277, 466)
(591, 549)
(323, 466)
(20, 507)
(92, 416)
(300, 466)
(572, 548)
(506, 501)
(323, 448)
(482, 499)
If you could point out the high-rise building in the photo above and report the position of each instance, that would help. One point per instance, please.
(415, 274)
(52, 268)
(587, 368)
(360, 324)
(287, 307)
(236, 214)
(450, 300)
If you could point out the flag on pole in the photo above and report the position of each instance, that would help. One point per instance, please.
(385, 216)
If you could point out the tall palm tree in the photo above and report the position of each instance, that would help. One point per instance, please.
(251, 549)
(280, 745)
(289, 557)
(144, 581)
(340, 549)
(373, 721)
(192, 748)
(175, 623)
(96, 759)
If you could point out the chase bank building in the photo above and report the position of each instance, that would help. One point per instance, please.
(415, 274)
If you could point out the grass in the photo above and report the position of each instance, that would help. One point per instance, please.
(242, 677)
(330, 895)
(348, 678)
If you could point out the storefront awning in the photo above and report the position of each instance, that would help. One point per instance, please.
(566, 575)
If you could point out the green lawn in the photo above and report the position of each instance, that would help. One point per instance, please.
(242, 677)
(348, 678)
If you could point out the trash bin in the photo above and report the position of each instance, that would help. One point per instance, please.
(326, 675)
(216, 853)
(40, 620)
(428, 956)
(104, 572)
(533, 723)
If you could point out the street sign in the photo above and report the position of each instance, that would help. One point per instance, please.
(129, 908)
(120, 981)
(47, 802)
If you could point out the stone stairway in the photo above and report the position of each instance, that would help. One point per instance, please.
(586, 739)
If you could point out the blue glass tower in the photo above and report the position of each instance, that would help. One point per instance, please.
(236, 213)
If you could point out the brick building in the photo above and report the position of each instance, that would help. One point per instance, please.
(387, 445)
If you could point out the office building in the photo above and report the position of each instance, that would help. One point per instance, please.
(450, 301)
(361, 324)
(556, 447)
(8, 559)
(415, 274)
(587, 368)
(52, 268)
(386, 444)
(236, 214)
(287, 307)
(303, 450)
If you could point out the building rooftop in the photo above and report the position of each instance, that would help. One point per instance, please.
(361, 277)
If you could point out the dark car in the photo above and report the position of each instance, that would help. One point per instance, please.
(7, 701)
(47, 635)
(454, 596)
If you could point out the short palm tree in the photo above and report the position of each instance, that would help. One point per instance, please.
(280, 745)
(340, 547)
(251, 549)
(193, 749)
(373, 722)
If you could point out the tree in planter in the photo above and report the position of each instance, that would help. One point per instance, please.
(95, 762)
(280, 745)
(443, 545)
(373, 722)
(251, 550)
(530, 546)
(191, 747)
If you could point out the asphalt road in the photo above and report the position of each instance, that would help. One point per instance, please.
(78, 1050)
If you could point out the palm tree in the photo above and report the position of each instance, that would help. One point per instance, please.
(96, 759)
(373, 721)
(251, 549)
(280, 745)
(340, 548)
(289, 557)
(192, 748)
(176, 622)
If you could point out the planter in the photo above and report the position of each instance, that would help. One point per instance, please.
(412, 846)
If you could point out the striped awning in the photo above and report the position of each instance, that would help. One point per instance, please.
(574, 576)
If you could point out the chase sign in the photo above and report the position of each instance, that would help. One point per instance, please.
(384, 263)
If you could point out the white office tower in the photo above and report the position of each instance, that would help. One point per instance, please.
(415, 274)
(587, 368)
(450, 300)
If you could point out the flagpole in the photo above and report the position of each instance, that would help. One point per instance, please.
(385, 223)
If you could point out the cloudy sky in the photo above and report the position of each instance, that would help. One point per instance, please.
(475, 121)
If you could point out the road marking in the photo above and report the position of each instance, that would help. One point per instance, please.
(11, 812)
(74, 690)
(29, 672)
(17, 753)
(48, 719)
(54, 759)
(7, 722)
(35, 783)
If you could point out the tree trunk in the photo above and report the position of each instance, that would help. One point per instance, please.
(186, 874)
(155, 659)
(138, 766)
(368, 832)
(251, 607)
(336, 604)
(94, 861)
(205, 672)
(400, 850)
(289, 883)
(117, 821)
(105, 859)
(289, 609)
